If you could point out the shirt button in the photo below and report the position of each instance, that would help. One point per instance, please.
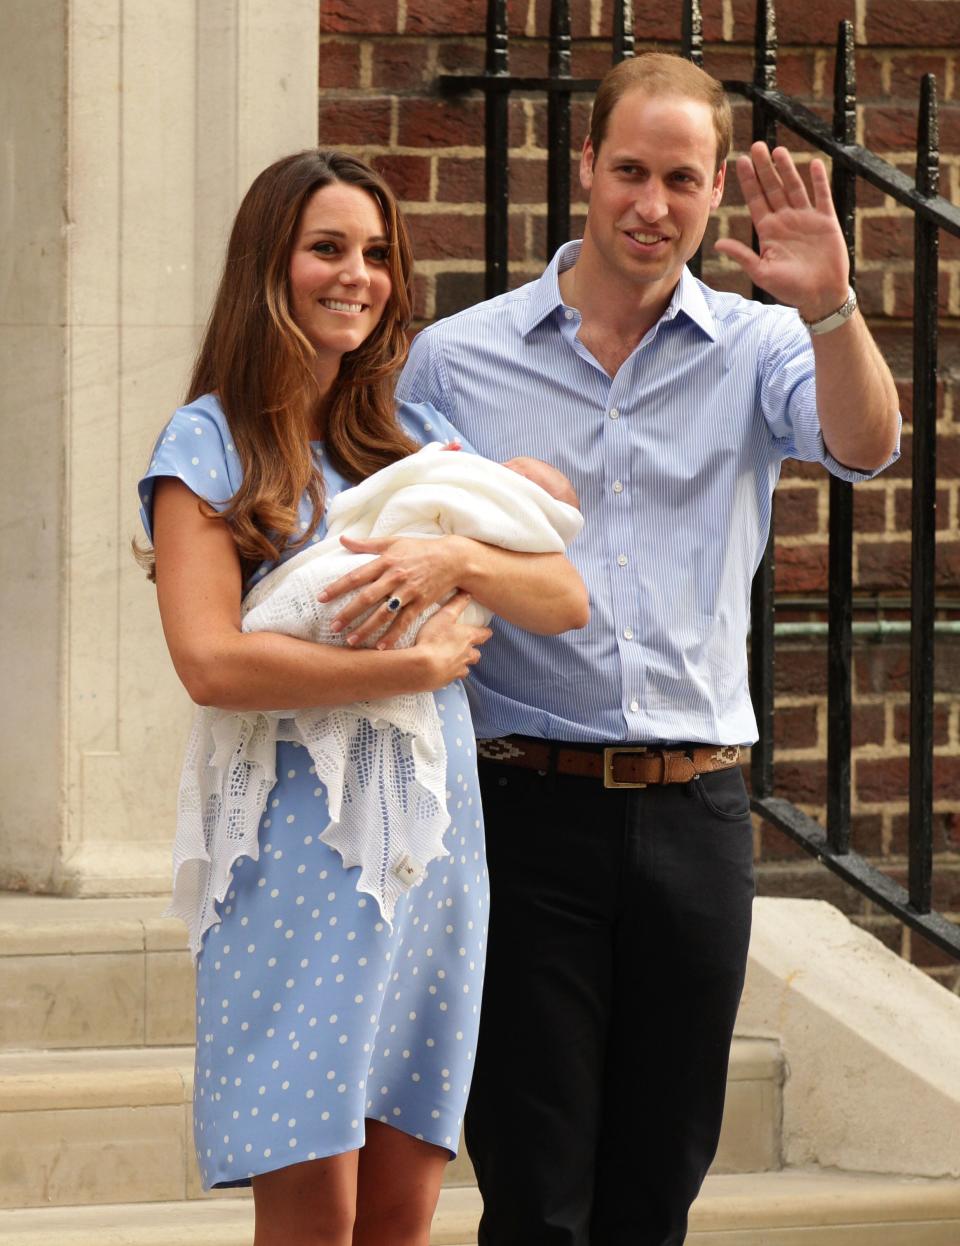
(568, 314)
(621, 560)
(628, 633)
(634, 706)
(614, 413)
(617, 487)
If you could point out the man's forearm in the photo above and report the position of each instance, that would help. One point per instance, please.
(856, 397)
(542, 593)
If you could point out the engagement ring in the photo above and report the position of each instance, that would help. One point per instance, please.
(394, 604)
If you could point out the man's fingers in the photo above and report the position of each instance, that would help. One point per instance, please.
(753, 195)
(748, 260)
(820, 180)
(793, 187)
(767, 176)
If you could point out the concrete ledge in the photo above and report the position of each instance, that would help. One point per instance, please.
(136, 1078)
(771, 1209)
(805, 1199)
(33, 925)
(93, 973)
(872, 1045)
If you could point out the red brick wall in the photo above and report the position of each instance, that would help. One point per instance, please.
(378, 64)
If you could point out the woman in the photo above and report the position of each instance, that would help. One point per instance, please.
(333, 1052)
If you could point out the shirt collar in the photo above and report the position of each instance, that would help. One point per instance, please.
(545, 297)
(688, 298)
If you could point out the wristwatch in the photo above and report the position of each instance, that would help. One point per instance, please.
(836, 318)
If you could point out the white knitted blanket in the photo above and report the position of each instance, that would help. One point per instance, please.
(382, 762)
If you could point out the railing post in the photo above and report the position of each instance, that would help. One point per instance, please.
(761, 603)
(925, 325)
(840, 589)
(691, 46)
(558, 130)
(623, 38)
(497, 139)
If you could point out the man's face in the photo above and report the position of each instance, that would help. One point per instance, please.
(652, 187)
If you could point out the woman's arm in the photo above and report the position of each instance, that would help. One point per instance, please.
(199, 588)
(540, 592)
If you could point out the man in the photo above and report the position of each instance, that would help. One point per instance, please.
(621, 877)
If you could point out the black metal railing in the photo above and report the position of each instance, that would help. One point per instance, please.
(932, 213)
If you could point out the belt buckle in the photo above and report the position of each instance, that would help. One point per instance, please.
(608, 756)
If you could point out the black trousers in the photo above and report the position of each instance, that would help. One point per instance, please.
(619, 926)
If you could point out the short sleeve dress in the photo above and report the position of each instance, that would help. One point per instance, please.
(312, 1015)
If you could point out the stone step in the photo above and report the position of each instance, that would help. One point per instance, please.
(114, 1124)
(767, 1209)
(92, 973)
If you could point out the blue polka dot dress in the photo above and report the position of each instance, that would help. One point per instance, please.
(312, 1015)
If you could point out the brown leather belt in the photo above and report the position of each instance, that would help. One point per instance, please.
(627, 765)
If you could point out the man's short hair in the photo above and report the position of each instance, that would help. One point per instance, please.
(660, 73)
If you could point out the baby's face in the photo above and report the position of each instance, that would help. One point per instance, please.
(548, 478)
(531, 469)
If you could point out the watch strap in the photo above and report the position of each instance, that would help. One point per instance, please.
(836, 318)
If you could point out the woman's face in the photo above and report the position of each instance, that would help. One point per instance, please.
(339, 278)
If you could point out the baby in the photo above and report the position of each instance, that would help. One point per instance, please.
(428, 494)
(230, 767)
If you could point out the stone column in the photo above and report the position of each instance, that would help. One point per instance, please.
(128, 133)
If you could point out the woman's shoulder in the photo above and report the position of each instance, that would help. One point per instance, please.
(195, 446)
(201, 417)
(197, 436)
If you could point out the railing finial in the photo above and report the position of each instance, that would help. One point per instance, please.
(498, 54)
(559, 38)
(765, 47)
(845, 86)
(624, 44)
(558, 130)
(928, 138)
(691, 37)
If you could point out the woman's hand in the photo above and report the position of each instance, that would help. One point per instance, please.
(451, 646)
(416, 571)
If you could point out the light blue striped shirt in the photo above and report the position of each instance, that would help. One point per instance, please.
(674, 459)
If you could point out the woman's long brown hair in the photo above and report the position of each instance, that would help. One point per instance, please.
(258, 362)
